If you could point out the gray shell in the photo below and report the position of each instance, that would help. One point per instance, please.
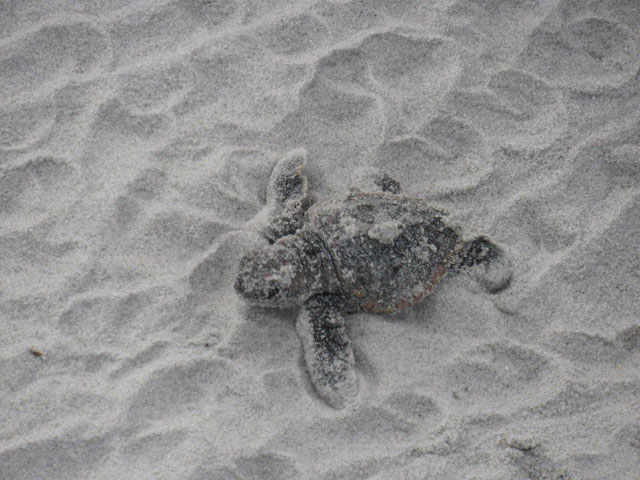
(389, 251)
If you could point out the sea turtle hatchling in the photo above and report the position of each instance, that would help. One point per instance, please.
(375, 252)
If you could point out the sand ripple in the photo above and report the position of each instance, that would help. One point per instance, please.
(136, 143)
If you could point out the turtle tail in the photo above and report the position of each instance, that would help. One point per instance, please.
(486, 262)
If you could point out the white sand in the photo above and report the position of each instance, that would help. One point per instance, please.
(136, 140)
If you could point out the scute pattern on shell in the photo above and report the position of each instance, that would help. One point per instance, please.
(389, 251)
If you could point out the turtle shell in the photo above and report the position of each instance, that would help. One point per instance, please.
(389, 251)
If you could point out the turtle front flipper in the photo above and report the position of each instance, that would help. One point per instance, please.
(287, 196)
(371, 179)
(486, 262)
(327, 350)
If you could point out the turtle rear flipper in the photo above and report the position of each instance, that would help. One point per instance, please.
(371, 179)
(287, 196)
(327, 350)
(487, 263)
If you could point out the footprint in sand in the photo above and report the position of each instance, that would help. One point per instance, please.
(585, 53)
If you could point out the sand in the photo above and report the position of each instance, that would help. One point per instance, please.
(136, 142)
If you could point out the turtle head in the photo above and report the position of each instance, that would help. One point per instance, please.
(272, 276)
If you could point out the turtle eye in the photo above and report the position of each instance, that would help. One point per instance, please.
(272, 292)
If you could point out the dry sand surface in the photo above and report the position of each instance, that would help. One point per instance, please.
(136, 141)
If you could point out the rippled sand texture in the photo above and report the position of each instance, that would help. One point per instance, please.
(136, 140)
